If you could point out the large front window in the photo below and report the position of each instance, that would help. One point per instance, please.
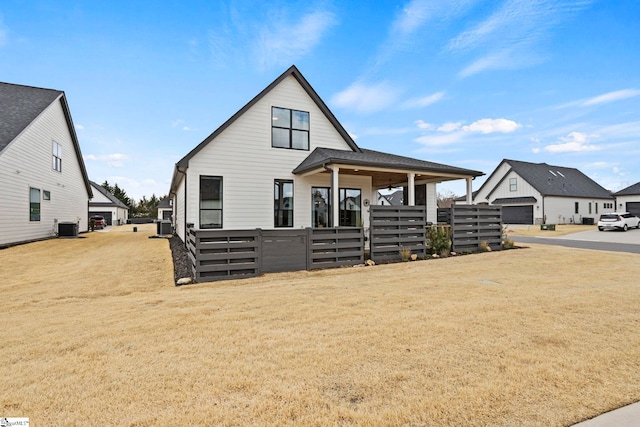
(283, 203)
(289, 128)
(350, 207)
(321, 199)
(210, 202)
(34, 204)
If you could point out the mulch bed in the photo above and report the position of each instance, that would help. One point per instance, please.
(181, 262)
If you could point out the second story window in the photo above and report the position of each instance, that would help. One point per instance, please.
(513, 184)
(57, 156)
(289, 128)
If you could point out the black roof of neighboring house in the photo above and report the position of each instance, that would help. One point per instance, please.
(550, 180)
(512, 200)
(631, 190)
(21, 105)
(114, 200)
(324, 156)
(396, 198)
(165, 204)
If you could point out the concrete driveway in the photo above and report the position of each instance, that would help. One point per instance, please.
(631, 236)
(616, 241)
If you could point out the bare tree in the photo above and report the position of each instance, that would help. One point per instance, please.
(446, 198)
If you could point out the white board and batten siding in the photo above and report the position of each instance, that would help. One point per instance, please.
(243, 156)
(27, 163)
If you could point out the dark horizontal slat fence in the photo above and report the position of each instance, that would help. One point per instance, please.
(224, 254)
(231, 254)
(393, 228)
(335, 247)
(473, 224)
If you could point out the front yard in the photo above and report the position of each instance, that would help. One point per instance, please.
(95, 333)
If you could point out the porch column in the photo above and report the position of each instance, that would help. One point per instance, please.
(335, 196)
(411, 178)
(469, 191)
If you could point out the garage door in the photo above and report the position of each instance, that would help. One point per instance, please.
(634, 208)
(517, 214)
(106, 215)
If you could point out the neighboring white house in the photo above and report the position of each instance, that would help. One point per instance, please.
(43, 180)
(165, 209)
(536, 193)
(109, 206)
(628, 199)
(284, 160)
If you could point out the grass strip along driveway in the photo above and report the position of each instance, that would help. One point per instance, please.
(95, 333)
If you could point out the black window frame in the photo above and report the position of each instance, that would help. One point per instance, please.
(35, 205)
(342, 212)
(314, 218)
(291, 129)
(278, 205)
(221, 200)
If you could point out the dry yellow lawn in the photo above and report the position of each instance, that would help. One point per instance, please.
(95, 333)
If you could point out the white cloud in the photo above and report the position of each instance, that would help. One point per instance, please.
(486, 126)
(79, 127)
(611, 97)
(282, 41)
(425, 101)
(574, 142)
(423, 125)
(454, 132)
(186, 128)
(366, 99)
(441, 139)
(535, 150)
(449, 127)
(507, 38)
(115, 160)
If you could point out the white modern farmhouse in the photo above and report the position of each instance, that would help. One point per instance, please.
(537, 193)
(43, 180)
(284, 161)
(107, 205)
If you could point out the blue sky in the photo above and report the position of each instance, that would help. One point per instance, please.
(460, 82)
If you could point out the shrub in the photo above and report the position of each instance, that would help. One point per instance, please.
(405, 253)
(439, 239)
(484, 246)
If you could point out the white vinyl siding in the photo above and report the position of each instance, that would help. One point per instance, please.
(242, 154)
(27, 162)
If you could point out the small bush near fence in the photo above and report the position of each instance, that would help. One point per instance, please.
(439, 239)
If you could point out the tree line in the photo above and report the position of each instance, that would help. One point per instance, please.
(143, 208)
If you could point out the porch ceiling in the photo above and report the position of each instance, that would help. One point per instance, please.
(383, 179)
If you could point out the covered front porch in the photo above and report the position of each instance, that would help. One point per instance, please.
(386, 171)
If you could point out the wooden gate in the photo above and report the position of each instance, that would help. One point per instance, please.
(283, 250)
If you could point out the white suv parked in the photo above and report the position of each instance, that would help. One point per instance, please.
(618, 221)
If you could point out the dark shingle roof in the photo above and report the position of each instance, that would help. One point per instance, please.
(114, 200)
(323, 156)
(514, 200)
(396, 198)
(20, 105)
(552, 180)
(164, 203)
(631, 190)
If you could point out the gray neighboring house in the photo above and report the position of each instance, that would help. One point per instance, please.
(165, 209)
(628, 199)
(43, 180)
(109, 206)
(537, 193)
